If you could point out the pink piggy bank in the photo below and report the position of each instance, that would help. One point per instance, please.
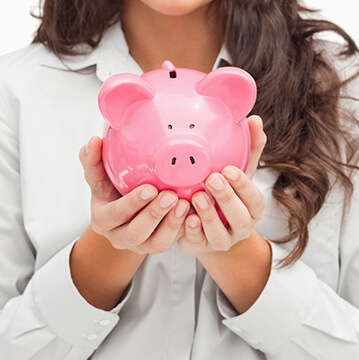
(173, 127)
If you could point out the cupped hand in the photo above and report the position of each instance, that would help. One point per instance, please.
(239, 199)
(143, 221)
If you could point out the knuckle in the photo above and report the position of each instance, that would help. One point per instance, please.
(135, 201)
(117, 245)
(247, 233)
(258, 207)
(258, 201)
(158, 247)
(261, 213)
(82, 155)
(139, 251)
(155, 214)
(118, 215)
(246, 220)
(96, 225)
(221, 245)
(97, 229)
(132, 237)
(241, 182)
(196, 241)
(243, 221)
(264, 138)
(226, 197)
(195, 237)
(210, 217)
(174, 224)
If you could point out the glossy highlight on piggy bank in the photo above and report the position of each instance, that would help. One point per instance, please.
(173, 127)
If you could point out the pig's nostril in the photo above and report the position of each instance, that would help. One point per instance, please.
(174, 161)
(192, 159)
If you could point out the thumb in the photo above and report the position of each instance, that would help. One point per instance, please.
(95, 174)
(258, 141)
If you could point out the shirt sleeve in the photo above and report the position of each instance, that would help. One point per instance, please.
(42, 315)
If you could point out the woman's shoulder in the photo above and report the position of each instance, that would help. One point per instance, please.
(22, 62)
(20, 72)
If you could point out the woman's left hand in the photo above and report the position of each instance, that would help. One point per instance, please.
(239, 199)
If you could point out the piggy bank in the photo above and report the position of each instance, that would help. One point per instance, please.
(173, 127)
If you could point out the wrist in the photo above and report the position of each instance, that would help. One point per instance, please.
(242, 271)
(100, 272)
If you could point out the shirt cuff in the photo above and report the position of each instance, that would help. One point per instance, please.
(63, 308)
(284, 304)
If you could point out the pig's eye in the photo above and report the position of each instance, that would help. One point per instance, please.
(191, 126)
(170, 126)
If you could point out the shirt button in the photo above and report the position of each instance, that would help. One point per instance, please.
(104, 322)
(92, 337)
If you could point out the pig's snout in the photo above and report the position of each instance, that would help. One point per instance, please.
(191, 159)
(183, 164)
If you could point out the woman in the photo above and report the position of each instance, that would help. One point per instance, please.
(174, 283)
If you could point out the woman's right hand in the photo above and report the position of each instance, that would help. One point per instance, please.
(143, 221)
(122, 232)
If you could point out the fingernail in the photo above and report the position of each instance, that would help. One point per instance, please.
(216, 182)
(147, 193)
(181, 209)
(167, 200)
(87, 149)
(231, 174)
(201, 202)
(193, 224)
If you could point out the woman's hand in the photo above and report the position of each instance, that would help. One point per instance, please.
(123, 231)
(239, 199)
(143, 221)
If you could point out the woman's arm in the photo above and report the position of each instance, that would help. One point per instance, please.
(283, 312)
(100, 272)
(241, 272)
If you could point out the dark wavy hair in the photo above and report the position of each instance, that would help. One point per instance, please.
(298, 91)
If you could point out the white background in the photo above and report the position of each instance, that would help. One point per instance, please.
(17, 26)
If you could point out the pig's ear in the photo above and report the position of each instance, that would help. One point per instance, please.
(234, 86)
(119, 92)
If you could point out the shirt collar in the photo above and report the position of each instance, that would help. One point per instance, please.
(110, 57)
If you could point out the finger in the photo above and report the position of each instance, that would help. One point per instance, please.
(258, 141)
(216, 234)
(146, 221)
(118, 212)
(233, 208)
(194, 232)
(95, 174)
(167, 231)
(249, 194)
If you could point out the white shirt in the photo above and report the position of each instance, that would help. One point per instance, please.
(173, 309)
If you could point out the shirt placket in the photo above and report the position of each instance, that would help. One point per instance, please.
(182, 305)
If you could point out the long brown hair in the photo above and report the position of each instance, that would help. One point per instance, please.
(298, 91)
